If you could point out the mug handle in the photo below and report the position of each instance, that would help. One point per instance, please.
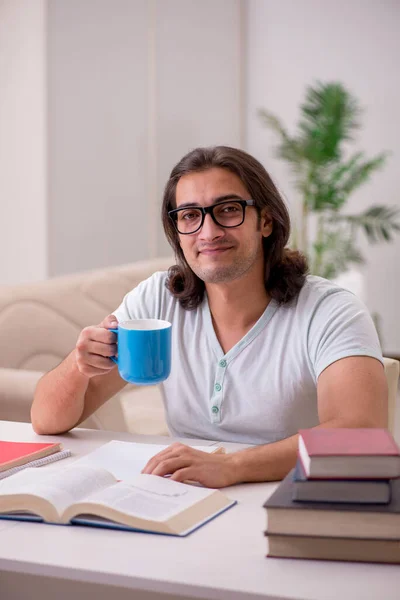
(114, 358)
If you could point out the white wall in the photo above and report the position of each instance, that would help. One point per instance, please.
(98, 99)
(291, 44)
(198, 90)
(23, 215)
(133, 85)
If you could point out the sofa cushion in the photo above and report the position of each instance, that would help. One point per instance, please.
(40, 322)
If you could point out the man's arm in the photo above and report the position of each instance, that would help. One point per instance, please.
(84, 381)
(352, 392)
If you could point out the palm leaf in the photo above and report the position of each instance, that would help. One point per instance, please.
(358, 173)
(329, 117)
(341, 169)
(378, 222)
(324, 193)
(338, 253)
(288, 148)
(333, 183)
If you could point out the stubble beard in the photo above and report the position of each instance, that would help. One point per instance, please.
(225, 273)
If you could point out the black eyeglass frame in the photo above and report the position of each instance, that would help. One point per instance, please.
(209, 210)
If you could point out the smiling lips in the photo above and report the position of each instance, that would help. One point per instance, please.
(213, 250)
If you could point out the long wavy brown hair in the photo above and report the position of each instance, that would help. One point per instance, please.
(285, 269)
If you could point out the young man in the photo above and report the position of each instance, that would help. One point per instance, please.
(260, 350)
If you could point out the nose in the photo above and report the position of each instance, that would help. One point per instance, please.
(210, 230)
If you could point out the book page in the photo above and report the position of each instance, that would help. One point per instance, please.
(60, 487)
(150, 497)
(125, 460)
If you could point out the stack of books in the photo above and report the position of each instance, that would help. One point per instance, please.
(342, 500)
(15, 456)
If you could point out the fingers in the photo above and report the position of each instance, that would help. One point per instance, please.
(95, 346)
(186, 464)
(98, 362)
(97, 334)
(173, 451)
(110, 322)
(171, 465)
(185, 475)
(102, 349)
(92, 364)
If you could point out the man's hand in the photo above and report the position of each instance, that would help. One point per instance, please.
(94, 347)
(184, 463)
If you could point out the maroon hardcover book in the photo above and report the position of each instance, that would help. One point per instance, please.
(340, 453)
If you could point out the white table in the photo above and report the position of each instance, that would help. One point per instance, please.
(224, 559)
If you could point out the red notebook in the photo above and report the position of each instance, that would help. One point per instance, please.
(13, 454)
(349, 453)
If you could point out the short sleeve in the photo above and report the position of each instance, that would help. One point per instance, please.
(145, 301)
(340, 326)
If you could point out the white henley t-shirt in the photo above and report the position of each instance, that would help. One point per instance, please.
(264, 388)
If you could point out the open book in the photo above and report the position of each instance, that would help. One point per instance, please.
(87, 495)
(127, 459)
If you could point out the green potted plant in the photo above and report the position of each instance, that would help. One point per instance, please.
(326, 174)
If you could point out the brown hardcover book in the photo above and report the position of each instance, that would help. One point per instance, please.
(327, 548)
(330, 519)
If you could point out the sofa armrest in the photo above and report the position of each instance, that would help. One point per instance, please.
(17, 387)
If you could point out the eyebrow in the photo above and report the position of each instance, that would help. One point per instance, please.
(216, 201)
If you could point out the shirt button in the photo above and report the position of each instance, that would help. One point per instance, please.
(217, 388)
(222, 363)
(215, 409)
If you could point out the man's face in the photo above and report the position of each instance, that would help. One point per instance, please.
(217, 254)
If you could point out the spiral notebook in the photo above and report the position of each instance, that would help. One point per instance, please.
(15, 456)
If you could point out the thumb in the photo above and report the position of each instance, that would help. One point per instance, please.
(110, 322)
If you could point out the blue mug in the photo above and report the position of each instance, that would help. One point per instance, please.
(144, 350)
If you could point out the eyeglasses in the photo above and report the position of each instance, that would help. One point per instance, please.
(190, 219)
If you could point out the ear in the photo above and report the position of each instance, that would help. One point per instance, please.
(266, 224)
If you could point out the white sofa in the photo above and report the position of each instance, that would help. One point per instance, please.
(40, 323)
